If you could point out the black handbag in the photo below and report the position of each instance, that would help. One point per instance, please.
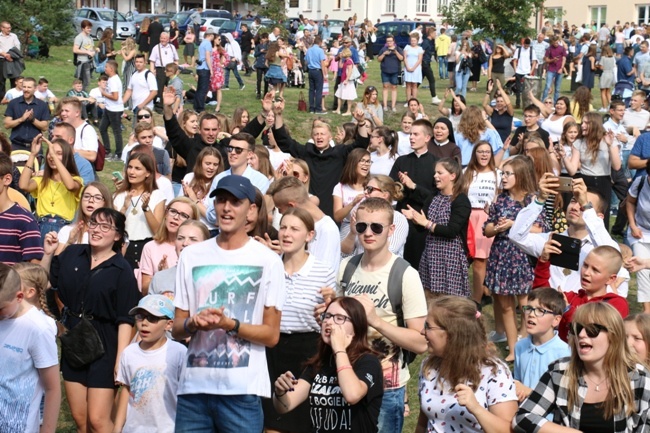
(232, 65)
(81, 345)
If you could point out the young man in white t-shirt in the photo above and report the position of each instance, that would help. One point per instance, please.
(524, 63)
(14, 92)
(150, 370)
(99, 106)
(114, 109)
(142, 88)
(29, 360)
(43, 92)
(229, 299)
(86, 141)
(369, 283)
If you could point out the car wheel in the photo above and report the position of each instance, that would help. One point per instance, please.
(99, 34)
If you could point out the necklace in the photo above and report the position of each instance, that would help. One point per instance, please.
(597, 384)
(58, 184)
(135, 206)
(97, 258)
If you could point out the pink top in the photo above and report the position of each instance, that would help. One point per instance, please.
(153, 253)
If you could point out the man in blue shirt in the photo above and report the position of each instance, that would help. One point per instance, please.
(26, 116)
(204, 71)
(625, 71)
(316, 59)
(390, 58)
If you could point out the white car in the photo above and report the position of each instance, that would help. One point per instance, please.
(211, 23)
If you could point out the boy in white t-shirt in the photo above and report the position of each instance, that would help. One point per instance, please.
(96, 111)
(44, 93)
(14, 92)
(29, 365)
(150, 371)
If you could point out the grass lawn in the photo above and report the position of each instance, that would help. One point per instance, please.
(59, 70)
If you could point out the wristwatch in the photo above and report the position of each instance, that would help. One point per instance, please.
(587, 206)
(235, 330)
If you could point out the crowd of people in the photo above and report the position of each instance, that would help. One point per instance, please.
(238, 278)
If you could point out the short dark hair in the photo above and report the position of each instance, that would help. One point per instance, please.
(616, 103)
(43, 80)
(549, 298)
(244, 136)
(533, 109)
(139, 56)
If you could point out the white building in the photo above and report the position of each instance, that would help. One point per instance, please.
(383, 10)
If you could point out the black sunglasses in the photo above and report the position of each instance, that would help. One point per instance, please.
(376, 228)
(237, 150)
(139, 317)
(593, 330)
(143, 116)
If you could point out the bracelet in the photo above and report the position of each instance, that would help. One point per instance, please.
(186, 328)
(540, 203)
(428, 225)
(30, 167)
(361, 124)
(340, 369)
(340, 351)
(145, 208)
(280, 395)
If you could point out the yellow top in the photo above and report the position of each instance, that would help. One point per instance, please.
(575, 111)
(55, 199)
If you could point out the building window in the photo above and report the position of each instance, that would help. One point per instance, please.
(599, 15)
(421, 6)
(349, 4)
(554, 15)
(337, 4)
(309, 4)
(644, 14)
(390, 6)
(294, 3)
(442, 4)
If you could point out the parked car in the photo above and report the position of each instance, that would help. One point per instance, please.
(183, 18)
(336, 26)
(401, 31)
(164, 20)
(101, 19)
(211, 23)
(234, 26)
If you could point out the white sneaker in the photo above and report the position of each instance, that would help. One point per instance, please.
(406, 104)
(435, 100)
(496, 337)
(602, 110)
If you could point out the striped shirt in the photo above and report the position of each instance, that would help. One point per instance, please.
(303, 294)
(20, 238)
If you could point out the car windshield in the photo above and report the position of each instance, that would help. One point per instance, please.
(336, 23)
(229, 25)
(181, 17)
(108, 16)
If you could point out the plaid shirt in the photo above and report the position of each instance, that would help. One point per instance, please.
(550, 396)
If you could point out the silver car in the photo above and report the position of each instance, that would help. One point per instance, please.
(101, 19)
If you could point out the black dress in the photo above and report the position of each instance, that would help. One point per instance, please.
(477, 53)
(107, 293)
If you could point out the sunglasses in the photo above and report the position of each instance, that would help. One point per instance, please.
(593, 330)
(237, 150)
(371, 189)
(150, 318)
(376, 228)
(143, 116)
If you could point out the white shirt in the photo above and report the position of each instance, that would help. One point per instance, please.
(47, 94)
(523, 56)
(13, 93)
(141, 84)
(86, 138)
(326, 245)
(114, 84)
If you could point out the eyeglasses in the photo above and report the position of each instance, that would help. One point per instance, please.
(365, 162)
(174, 213)
(593, 330)
(507, 174)
(339, 319)
(143, 116)
(90, 197)
(103, 227)
(483, 152)
(428, 327)
(548, 102)
(237, 150)
(376, 228)
(150, 318)
(371, 189)
(535, 311)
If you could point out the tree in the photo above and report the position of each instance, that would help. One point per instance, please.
(496, 19)
(51, 19)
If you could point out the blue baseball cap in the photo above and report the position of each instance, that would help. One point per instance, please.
(158, 305)
(239, 186)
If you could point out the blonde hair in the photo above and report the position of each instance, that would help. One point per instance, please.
(617, 363)
(162, 234)
(36, 277)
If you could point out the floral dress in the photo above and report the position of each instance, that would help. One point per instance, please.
(218, 74)
(509, 270)
(444, 265)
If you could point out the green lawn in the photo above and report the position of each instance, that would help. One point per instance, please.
(59, 71)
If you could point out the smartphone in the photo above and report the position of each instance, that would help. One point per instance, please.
(566, 184)
(118, 175)
(570, 256)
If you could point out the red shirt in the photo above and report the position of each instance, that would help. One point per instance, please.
(552, 52)
(580, 298)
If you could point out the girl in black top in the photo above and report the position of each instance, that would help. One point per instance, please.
(496, 67)
(502, 113)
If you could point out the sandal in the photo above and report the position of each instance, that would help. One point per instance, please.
(407, 409)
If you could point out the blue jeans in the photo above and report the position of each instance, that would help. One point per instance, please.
(442, 67)
(197, 413)
(202, 87)
(462, 77)
(50, 223)
(391, 414)
(226, 81)
(315, 90)
(552, 77)
(625, 155)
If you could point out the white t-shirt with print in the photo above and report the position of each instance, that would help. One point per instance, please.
(136, 225)
(244, 281)
(483, 188)
(25, 347)
(152, 377)
(414, 305)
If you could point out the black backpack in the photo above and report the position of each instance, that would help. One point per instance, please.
(394, 288)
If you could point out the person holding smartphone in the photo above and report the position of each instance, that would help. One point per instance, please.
(390, 58)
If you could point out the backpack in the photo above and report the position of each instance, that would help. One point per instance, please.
(530, 50)
(98, 165)
(394, 288)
